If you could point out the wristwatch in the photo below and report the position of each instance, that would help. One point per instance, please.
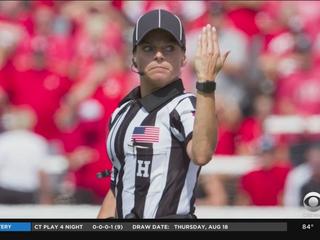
(206, 87)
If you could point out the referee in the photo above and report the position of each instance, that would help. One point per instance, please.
(159, 135)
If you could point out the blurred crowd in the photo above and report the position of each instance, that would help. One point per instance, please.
(65, 65)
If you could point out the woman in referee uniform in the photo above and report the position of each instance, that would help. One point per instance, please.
(159, 135)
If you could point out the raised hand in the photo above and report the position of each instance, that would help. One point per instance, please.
(208, 60)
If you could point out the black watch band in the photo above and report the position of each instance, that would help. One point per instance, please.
(206, 87)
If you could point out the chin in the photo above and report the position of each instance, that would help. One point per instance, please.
(160, 79)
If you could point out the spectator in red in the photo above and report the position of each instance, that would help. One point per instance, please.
(251, 127)
(282, 24)
(98, 34)
(229, 117)
(27, 78)
(40, 89)
(299, 92)
(52, 31)
(84, 118)
(10, 35)
(264, 186)
(243, 13)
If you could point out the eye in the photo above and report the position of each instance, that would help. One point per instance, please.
(147, 48)
(311, 201)
(169, 48)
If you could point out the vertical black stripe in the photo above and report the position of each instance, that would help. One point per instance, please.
(120, 152)
(175, 121)
(142, 184)
(193, 198)
(112, 122)
(177, 172)
(193, 101)
(119, 189)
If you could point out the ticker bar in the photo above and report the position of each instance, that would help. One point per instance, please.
(160, 226)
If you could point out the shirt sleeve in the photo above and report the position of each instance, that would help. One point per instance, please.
(182, 119)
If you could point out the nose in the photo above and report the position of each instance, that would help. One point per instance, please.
(159, 55)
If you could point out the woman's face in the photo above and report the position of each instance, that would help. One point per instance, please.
(159, 57)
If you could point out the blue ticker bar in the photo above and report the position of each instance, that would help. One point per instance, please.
(15, 226)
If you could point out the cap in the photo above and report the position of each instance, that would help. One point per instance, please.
(159, 19)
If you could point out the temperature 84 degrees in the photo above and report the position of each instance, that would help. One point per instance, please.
(307, 226)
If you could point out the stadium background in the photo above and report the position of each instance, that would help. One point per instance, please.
(64, 66)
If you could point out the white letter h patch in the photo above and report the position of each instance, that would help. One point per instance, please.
(143, 166)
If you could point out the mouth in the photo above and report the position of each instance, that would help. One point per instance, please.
(159, 68)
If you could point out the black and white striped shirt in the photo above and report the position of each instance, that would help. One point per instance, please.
(152, 174)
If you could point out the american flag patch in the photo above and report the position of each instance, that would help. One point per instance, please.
(145, 134)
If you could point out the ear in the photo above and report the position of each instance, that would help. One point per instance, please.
(134, 62)
(184, 61)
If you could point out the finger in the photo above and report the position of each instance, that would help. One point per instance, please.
(216, 48)
(209, 37)
(225, 57)
(198, 53)
(204, 41)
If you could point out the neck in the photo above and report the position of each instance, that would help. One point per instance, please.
(146, 86)
(147, 89)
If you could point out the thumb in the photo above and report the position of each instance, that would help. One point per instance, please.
(225, 57)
